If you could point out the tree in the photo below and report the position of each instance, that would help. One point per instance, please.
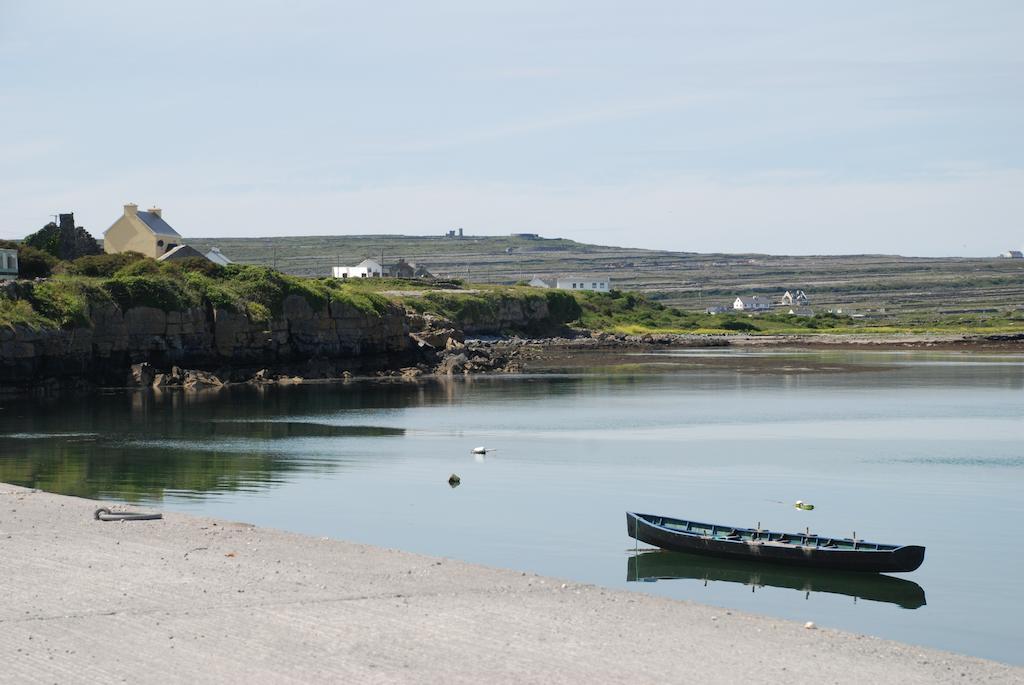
(64, 241)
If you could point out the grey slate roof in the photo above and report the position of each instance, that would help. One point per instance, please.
(180, 252)
(157, 224)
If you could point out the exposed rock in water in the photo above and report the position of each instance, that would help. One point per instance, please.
(142, 375)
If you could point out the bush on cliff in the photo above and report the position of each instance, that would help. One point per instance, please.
(32, 262)
(563, 306)
(65, 300)
(20, 313)
(102, 265)
(160, 292)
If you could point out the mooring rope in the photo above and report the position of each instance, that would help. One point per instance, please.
(104, 514)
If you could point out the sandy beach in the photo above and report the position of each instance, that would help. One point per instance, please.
(187, 599)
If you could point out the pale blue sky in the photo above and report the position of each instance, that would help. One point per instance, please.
(783, 127)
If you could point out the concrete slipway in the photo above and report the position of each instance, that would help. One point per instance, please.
(192, 600)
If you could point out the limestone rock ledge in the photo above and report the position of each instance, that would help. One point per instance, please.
(201, 338)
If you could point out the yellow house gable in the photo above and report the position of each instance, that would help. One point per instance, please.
(144, 232)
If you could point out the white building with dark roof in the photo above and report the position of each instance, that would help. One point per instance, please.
(755, 303)
(143, 232)
(600, 284)
(368, 268)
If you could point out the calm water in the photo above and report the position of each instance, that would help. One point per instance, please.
(914, 448)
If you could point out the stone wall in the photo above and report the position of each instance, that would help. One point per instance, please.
(203, 338)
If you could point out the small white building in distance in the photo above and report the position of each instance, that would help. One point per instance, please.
(367, 268)
(752, 304)
(217, 257)
(8, 264)
(600, 284)
(795, 297)
(1012, 254)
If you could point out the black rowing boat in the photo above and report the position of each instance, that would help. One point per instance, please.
(799, 549)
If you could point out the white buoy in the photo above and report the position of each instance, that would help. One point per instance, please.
(481, 450)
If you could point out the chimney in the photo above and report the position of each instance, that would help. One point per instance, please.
(131, 209)
(156, 210)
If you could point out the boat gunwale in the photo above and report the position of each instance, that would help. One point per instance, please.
(795, 544)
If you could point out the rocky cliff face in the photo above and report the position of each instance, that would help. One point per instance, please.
(205, 338)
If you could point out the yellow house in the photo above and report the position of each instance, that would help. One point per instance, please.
(144, 232)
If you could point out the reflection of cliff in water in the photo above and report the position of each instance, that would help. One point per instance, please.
(661, 565)
(143, 445)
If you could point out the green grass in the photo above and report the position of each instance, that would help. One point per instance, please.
(63, 301)
(634, 314)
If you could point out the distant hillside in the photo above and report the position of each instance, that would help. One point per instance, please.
(691, 281)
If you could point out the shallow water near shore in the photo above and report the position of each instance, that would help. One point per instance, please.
(901, 447)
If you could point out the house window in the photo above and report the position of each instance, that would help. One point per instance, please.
(593, 285)
(170, 247)
(159, 243)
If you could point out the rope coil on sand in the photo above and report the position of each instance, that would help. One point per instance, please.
(104, 514)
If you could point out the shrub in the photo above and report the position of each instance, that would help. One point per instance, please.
(102, 265)
(564, 308)
(148, 291)
(737, 325)
(197, 264)
(13, 312)
(33, 263)
(140, 267)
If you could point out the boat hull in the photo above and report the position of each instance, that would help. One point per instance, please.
(652, 530)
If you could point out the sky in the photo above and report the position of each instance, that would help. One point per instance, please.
(784, 127)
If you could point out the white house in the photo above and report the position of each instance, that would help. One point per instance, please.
(367, 268)
(752, 304)
(538, 282)
(1012, 254)
(8, 264)
(600, 284)
(795, 297)
(217, 257)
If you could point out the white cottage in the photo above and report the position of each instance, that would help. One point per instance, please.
(600, 284)
(367, 268)
(755, 303)
(795, 297)
(8, 264)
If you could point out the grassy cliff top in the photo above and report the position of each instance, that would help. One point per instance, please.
(63, 300)
(127, 280)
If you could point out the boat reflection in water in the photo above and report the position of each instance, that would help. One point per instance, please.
(661, 565)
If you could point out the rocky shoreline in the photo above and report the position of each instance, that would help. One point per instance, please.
(201, 350)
